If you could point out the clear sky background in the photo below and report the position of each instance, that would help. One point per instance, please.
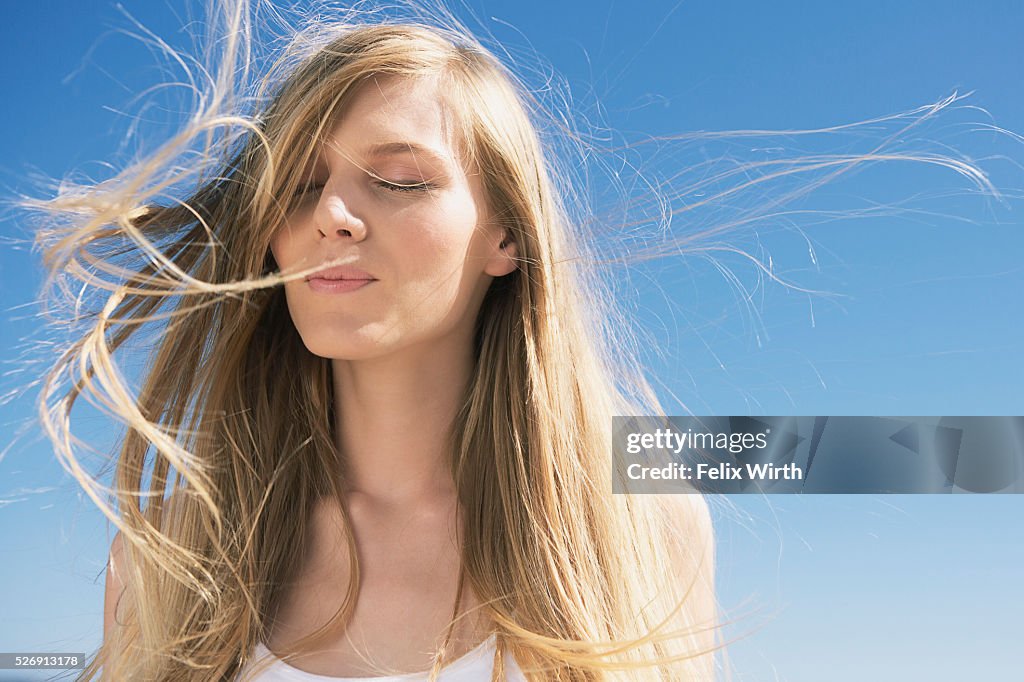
(926, 320)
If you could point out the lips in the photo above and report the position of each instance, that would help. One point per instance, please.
(339, 279)
(341, 272)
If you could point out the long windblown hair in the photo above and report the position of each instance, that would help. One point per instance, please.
(229, 444)
(230, 437)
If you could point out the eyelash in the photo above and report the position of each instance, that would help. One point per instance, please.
(419, 187)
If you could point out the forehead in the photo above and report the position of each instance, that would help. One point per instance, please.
(388, 116)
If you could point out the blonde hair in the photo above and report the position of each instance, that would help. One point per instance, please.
(578, 582)
(567, 572)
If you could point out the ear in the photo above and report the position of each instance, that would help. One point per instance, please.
(503, 260)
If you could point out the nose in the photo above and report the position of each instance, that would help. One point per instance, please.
(334, 218)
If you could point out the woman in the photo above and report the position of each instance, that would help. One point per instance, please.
(406, 470)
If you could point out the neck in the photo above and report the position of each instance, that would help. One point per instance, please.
(393, 417)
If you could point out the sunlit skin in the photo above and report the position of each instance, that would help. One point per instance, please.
(402, 345)
(401, 350)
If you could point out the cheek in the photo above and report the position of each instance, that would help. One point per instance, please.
(444, 238)
(275, 248)
(279, 247)
(284, 248)
(438, 260)
(440, 242)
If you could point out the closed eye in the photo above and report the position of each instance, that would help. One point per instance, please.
(403, 187)
(316, 188)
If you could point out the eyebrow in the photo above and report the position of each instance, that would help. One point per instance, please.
(384, 149)
(396, 148)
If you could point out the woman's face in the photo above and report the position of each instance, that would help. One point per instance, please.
(429, 246)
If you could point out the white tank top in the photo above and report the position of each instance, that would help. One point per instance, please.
(474, 666)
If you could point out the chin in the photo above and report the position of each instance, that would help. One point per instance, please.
(342, 346)
(345, 351)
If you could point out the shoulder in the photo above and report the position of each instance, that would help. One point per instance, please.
(691, 541)
(690, 536)
(688, 515)
(116, 583)
(117, 586)
(115, 563)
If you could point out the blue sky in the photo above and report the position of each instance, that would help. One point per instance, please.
(926, 317)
